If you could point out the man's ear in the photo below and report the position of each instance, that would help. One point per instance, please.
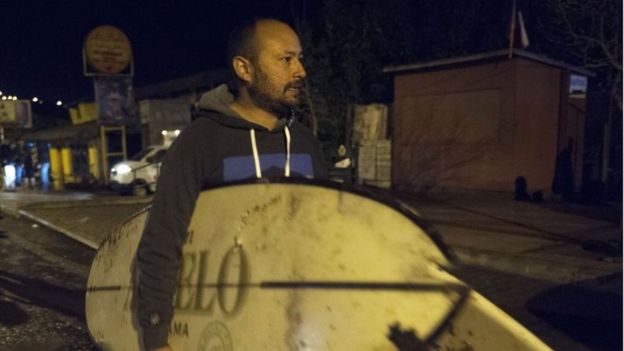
(242, 68)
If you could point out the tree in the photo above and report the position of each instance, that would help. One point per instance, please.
(345, 52)
(589, 32)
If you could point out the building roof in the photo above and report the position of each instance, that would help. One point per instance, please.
(197, 82)
(492, 55)
(80, 132)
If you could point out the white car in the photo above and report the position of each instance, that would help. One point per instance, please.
(139, 174)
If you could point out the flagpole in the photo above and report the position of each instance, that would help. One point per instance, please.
(512, 30)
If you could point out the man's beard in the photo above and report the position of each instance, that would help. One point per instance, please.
(269, 97)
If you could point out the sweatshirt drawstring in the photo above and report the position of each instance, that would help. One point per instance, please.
(254, 148)
(255, 153)
(287, 166)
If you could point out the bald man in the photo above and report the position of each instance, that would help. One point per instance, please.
(242, 134)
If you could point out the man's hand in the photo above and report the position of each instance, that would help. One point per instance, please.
(164, 348)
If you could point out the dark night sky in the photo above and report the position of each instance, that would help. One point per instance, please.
(41, 41)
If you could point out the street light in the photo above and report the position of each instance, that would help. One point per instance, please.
(59, 103)
(35, 99)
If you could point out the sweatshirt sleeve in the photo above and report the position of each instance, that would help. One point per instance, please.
(160, 248)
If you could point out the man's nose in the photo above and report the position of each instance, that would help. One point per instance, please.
(299, 70)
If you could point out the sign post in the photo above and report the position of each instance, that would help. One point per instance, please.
(107, 57)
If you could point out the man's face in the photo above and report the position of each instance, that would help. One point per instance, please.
(278, 73)
(114, 102)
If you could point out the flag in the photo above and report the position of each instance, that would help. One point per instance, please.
(517, 31)
(524, 37)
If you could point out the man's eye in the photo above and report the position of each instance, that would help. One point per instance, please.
(286, 59)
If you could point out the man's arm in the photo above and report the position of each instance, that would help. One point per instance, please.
(159, 252)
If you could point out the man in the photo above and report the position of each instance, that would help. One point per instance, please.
(249, 135)
(113, 106)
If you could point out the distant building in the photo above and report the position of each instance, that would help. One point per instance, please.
(167, 106)
(77, 152)
(481, 121)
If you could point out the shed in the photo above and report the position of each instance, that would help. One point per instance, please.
(481, 121)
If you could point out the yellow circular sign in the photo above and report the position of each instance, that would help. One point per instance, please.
(108, 50)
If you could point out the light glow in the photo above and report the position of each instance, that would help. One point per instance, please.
(122, 169)
(9, 176)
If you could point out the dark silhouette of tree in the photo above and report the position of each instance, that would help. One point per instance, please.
(345, 53)
(589, 33)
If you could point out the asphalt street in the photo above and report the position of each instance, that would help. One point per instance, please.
(565, 316)
(44, 274)
(42, 280)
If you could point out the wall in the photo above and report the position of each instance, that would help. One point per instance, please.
(537, 109)
(476, 127)
(452, 128)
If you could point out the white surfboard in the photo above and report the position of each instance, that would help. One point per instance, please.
(301, 266)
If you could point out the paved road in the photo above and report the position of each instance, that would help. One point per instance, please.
(43, 276)
(582, 316)
(42, 281)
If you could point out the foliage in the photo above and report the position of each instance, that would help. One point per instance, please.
(446, 28)
(589, 33)
(345, 53)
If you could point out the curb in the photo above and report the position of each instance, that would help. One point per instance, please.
(88, 203)
(78, 238)
(8, 211)
(531, 267)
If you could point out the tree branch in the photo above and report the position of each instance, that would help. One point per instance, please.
(604, 47)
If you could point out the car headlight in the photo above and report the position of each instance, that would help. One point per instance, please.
(121, 169)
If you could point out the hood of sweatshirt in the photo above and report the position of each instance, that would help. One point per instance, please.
(215, 104)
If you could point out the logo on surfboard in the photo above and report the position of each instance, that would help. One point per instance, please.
(215, 337)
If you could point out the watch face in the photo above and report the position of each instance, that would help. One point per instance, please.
(108, 50)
